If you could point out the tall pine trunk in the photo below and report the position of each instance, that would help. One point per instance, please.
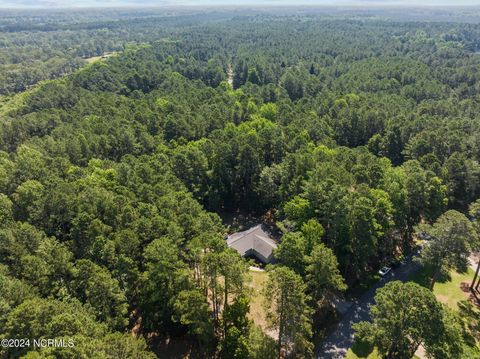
(280, 327)
(434, 278)
(475, 277)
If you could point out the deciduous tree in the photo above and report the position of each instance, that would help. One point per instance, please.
(406, 316)
(452, 239)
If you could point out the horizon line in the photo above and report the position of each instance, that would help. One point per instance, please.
(226, 6)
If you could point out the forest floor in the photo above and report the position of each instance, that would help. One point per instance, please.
(239, 221)
(230, 76)
(450, 290)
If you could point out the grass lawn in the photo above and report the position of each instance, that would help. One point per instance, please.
(257, 313)
(450, 293)
(451, 290)
(361, 350)
(93, 59)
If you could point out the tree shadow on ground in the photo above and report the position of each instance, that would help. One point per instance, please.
(176, 348)
(424, 276)
(362, 349)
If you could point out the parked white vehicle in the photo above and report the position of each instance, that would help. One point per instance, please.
(384, 271)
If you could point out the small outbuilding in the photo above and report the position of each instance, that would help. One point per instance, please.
(254, 242)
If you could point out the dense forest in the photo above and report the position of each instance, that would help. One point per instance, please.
(350, 134)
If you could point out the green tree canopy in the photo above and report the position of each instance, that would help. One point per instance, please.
(406, 316)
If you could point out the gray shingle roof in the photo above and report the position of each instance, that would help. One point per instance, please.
(255, 241)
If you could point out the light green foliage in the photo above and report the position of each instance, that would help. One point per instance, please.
(323, 276)
(269, 111)
(291, 251)
(312, 232)
(298, 210)
(98, 289)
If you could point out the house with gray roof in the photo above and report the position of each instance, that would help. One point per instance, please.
(254, 242)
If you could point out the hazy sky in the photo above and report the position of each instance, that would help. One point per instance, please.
(112, 3)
